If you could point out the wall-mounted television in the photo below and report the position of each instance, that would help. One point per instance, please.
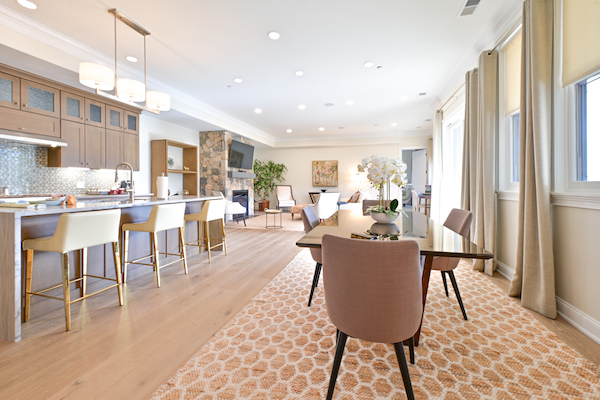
(241, 155)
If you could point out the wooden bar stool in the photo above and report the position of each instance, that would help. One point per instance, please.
(211, 211)
(162, 217)
(76, 231)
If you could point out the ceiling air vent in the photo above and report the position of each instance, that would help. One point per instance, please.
(468, 8)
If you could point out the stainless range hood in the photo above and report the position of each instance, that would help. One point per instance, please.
(31, 138)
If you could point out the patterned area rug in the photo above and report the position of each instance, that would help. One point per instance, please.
(278, 348)
(259, 222)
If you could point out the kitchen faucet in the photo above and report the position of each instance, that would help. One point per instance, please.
(131, 190)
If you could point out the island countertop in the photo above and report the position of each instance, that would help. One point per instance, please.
(94, 205)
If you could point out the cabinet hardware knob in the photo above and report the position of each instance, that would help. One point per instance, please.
(87, 163)
(22, 129)
(16, 103)
(24, 105)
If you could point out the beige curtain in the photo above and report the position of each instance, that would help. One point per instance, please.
(436, 170)
(534, 275)
(470, 141)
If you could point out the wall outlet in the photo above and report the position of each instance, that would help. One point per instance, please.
(80, 185)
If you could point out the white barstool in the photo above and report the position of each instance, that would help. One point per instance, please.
(76, 231)
(162, 217)
(212, 210)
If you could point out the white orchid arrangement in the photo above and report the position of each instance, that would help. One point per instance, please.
(381, 171)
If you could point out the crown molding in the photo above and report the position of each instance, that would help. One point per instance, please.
(194, 107)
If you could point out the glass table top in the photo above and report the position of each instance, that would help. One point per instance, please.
(434, 239)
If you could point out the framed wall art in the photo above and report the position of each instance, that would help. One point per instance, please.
(325, 173)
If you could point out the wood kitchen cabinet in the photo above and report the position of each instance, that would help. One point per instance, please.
(20, 121)
(131, 122)
(95, 113)
(72, 107)
(40, 99)
(114, 118)
(114, 148)
(10, 91)
(86, 147)
(131, 150)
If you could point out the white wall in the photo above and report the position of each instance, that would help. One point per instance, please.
(299, 164)
(152, 128)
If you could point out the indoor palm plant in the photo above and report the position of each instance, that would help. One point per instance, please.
(267, 175)
(382, 172)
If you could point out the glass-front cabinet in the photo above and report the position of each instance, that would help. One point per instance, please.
(72, 107)
(10, 91)
(40, 99)
(95, 113)
(114, 118)
(131, 123)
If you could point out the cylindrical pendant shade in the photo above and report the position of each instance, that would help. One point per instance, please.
(96, 76)
(158, 101)
(131, 90)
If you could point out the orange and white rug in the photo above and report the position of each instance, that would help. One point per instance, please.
(278, 348)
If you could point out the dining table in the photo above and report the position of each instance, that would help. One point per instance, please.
(435, 240)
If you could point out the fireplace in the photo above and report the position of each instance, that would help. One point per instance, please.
(241, 196)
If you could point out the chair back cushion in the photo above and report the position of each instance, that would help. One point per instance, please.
(459, 221)
(166, 216)
(354, 198)
(373, 288)
(283, 192)
(326, 205)
(415, 200)
(309, 218)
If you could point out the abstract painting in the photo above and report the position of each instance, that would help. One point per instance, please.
(325, 173)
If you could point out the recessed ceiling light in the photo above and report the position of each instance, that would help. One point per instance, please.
(349, 102)
(27, 4)
(368, 64)
(422, 94)
(274, 35)
(301, 106)
(131, 59)
(321, 129)
(403, 98)
(299, 73)
(329, 104)
(394, 124)
(257, 110)
(418, 127)
(289, 131)
(341, 127)
(237, 80)
(427, 120)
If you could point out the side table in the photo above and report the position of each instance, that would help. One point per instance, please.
(274, 213)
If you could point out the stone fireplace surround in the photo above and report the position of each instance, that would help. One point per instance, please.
(214, 168)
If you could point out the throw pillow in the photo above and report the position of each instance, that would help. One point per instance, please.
(354, 197)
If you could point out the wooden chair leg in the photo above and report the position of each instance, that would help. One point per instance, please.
(156, 267)
(117, 256)
(404, 370)
(66, 291)
(153, 258)
(315, 282)
(182, 254)
(83, 272)
(339, 352)
(244, 218)
(125, 254)
(224, 236)
(199, 238)
(457, 292)
(445, 283)
(29, 270)
(207, 239)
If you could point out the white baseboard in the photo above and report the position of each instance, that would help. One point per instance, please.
(505, 270)
(580, 320)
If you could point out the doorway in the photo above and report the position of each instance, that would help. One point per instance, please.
(416, 172)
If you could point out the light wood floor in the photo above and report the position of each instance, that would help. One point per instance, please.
(127, 352)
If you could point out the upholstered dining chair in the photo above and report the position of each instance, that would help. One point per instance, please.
(416, 202)
(460, 222)
(310, 220)
(373, 292)
(326, 205)
(284, 195)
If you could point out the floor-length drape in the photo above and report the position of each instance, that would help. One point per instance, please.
(436, 181)
(470, 141)
(534, 275)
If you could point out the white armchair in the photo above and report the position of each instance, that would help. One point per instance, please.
(233, 208)
(354, 203)
(327, 205)
(285, 198)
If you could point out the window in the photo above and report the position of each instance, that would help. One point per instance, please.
(452, 161)
(515, 124)
(588, 129)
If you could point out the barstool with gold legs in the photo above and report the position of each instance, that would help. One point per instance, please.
(76, 231)
(211, 211)
(162, 217)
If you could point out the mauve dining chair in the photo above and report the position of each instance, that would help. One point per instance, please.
(460, 222)
(310, 220)
(373, 292)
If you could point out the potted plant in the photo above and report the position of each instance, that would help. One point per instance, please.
(267, 175)
(381, 172)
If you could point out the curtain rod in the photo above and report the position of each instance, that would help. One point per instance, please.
(452, 96)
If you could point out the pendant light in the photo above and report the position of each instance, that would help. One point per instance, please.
(96, 76)
(131, 90)
(158, 101)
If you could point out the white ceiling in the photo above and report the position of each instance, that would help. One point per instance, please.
(199, 47)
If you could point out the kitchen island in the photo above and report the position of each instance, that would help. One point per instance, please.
(17, 224)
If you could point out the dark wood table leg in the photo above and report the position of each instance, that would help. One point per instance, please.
(425, 283)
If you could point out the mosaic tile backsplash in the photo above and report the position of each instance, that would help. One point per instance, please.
(23, 170)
